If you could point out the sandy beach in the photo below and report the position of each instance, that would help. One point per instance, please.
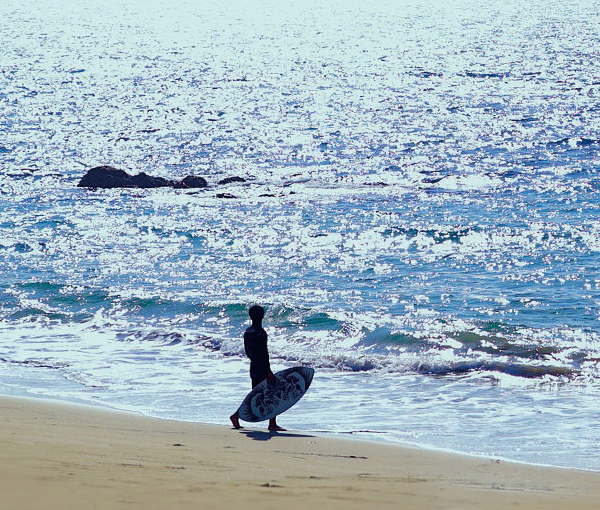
(64, 456)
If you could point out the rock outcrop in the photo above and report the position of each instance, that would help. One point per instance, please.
(192, 181)
(229, 180)
(109, 177)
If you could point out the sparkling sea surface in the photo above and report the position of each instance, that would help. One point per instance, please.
(420, 215)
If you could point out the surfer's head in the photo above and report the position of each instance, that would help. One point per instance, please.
(256, 313)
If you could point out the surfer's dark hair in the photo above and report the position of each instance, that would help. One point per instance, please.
(256, 313)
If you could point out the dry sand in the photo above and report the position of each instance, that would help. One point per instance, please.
(67, 457)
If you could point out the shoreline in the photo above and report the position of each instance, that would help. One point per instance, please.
(342, 436)
(67, 455)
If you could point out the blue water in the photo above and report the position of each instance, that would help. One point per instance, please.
(420, 215)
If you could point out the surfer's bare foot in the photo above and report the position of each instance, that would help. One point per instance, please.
(273, 427)
(235, 421)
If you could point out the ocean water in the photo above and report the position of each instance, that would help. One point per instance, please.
(420, 217)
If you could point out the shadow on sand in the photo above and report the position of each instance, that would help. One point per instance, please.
(261, 435)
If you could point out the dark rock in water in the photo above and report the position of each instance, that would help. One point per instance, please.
(432, 180)
(106, 177)
(192, 181)
(143, 180)
(380, 183)
(109, 177)
(229, 180)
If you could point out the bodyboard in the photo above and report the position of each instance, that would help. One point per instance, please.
(267, 400)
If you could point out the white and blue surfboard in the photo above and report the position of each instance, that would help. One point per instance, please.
(267, 400)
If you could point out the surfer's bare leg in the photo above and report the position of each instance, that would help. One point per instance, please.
(235, 420)
(274, 427)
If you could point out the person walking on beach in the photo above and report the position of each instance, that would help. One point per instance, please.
(255, 344)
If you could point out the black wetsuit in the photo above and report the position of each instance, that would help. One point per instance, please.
(255, 343)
